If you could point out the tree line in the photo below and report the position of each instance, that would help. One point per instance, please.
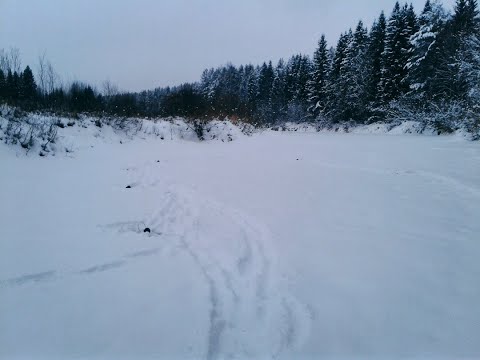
(404, 64)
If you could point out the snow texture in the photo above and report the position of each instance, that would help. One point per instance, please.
(276, 246)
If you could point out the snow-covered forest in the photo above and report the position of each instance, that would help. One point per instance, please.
(422, 66)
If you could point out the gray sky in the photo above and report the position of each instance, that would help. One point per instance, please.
(142, 44)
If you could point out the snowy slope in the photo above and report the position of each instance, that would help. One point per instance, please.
(279, 245)
(48, 135)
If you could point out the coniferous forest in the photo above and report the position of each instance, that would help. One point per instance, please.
(419, 64)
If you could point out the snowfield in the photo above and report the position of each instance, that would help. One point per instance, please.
(275, 246)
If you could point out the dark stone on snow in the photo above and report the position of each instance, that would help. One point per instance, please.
(128, 187)
(147, 230)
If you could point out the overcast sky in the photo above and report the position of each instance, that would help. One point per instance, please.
(142, 44)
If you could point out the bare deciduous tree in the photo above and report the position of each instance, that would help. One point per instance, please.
(109, 88)
(41, 73)
(4, 63)
(15, 60)
(48, 79)
(10, 60)
(52, 78)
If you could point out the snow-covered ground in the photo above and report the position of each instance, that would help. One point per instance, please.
(275, 246)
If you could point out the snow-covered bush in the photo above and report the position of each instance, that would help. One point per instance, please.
(440, 118)
(29, 132)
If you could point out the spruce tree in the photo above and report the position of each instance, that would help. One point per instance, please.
(278, 98)
(28, 85)
(335, 90)
(423, 62)
(467, 57)
(207, 84)
(265, 82)
(302, 77)
(351, 84)
(9, 86)
(465, 17)
(340, 82)
(468, 60)
(3, 84)
(410, 28)
(317, 85)
(297, 75)
(452, 42)
(375, 51)
(357, 81)
(291, 78)
(252, 91)
(401, 26)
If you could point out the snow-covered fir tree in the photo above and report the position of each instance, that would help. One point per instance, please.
(376, 47)
(278, 96)
(317, 85)
(401, 26)
(423, 61)
(355, 74)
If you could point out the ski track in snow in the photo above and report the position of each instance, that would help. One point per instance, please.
(454, 183)
(28, 279)
(52, 275)
(144, 253)
(242, 284)
(239, 271)
(449, 181)
(103, 267)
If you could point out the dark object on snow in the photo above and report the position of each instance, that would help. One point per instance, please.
(158, 161)
(147, 230)
(128, 187)
(297, 159)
